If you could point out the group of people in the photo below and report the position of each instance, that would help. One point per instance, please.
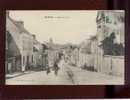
(58, 64)
(55, 67)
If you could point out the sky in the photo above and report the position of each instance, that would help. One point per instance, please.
(62, 26)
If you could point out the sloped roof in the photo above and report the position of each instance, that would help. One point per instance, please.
(13, 49)
(20, 27)
(53, 46)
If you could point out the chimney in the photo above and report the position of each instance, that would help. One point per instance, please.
(20, 23)
(34, 36)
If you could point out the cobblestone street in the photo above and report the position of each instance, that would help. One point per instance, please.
(67, 75)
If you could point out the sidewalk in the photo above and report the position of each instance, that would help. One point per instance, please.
(84, 77)
(16, 74)
(41, 78)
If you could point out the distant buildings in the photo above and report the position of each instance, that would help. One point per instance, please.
(87, 54)
(85, 46)
(53, 52)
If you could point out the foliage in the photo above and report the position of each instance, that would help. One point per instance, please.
(111, 48)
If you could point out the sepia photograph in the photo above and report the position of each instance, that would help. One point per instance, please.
(65, 47)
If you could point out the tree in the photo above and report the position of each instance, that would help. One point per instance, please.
(111, 48)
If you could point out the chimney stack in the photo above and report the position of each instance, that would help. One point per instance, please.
(21, 23)
(34, 36)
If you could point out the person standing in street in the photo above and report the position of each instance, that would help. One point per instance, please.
(56, 68)
(48, 70)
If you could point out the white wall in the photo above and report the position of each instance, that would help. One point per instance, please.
(86, 58)
(105, 64)
(114, 65)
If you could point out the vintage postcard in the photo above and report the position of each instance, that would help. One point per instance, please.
(69, 47)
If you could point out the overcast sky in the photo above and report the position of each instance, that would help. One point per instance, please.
(61, 26)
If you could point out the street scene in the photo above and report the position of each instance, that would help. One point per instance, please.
(53, 47)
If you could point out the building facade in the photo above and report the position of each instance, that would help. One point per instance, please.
(37, 53)
(108, 23)
(22, 42)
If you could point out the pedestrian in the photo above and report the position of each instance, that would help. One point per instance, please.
(23, 68)
(9, 68)
(48, 70)
(56, 68)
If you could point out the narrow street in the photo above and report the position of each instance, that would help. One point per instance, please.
(41, 78)
(83, 77)
(67, 75)
(75, 45)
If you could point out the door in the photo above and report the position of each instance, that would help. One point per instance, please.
(27, 64)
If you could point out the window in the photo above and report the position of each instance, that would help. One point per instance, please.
(108, 19)
(32, 58)
(99, 26)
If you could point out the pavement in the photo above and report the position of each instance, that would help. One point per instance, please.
(41, 78)
(16, 74)
(84, 77)
(67, 75)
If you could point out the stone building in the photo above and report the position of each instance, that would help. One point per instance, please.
(88, 53)
(37, 53)
(94, 52)
(12, 54)
(109, 22)
(22, 43)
